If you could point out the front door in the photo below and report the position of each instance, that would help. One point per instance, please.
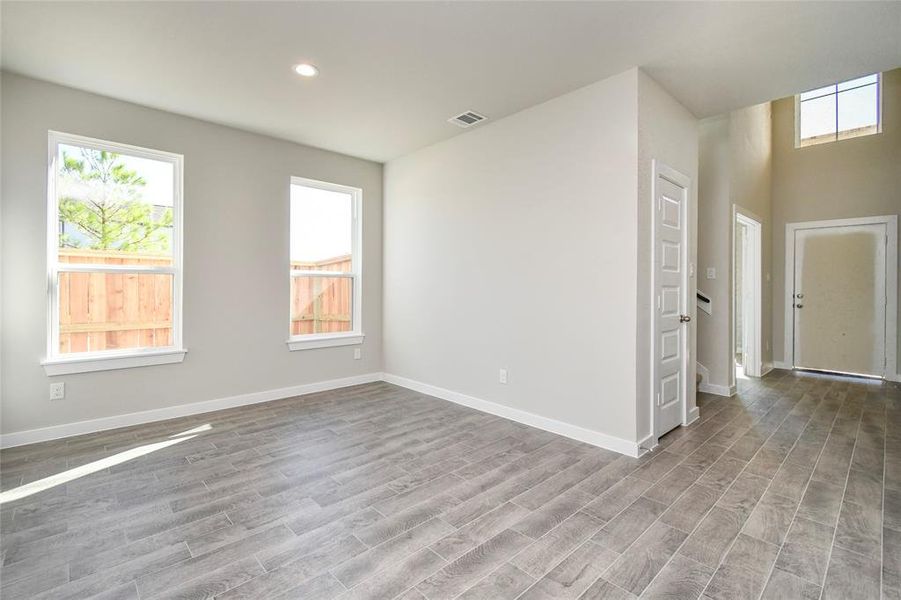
(839, 300)
(671, 328)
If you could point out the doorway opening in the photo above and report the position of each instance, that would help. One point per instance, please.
(746, 294)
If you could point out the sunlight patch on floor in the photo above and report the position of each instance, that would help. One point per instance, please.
(41, 485)
(196, 430)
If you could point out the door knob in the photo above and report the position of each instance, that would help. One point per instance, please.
(799, 296)
(684, 318)
(799, 306)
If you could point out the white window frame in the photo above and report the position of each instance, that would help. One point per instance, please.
(345, 338)
(846, 134)
(57, 363)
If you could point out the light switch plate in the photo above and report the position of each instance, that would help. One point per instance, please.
(711, 273)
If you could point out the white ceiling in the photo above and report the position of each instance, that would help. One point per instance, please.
(392, 73)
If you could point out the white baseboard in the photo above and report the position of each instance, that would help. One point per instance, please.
(595, 438)
(895, 377)
(647, 444)
(778, 364)
(710, 388)
(650, 442)
(693, 416)
(703, 372)
(717, 390)
(767, 367)
(20, 438)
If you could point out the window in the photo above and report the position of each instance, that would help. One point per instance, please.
(114, 256)
(837, 112)
(326, 265)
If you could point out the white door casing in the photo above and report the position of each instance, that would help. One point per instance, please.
(752, 287)
(671, 327)
(747, 300)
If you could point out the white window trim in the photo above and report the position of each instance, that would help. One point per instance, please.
(110, 362)
(344, 338)
(85, 362)
(849, 134)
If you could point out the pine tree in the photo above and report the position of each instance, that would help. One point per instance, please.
(102, 198)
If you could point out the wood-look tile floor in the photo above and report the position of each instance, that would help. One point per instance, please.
(792, 489)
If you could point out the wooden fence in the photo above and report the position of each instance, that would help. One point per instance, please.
(106, 311)
(321, 304)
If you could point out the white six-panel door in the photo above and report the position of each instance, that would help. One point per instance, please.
(671, 278)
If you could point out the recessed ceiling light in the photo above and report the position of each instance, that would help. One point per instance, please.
(306, 70)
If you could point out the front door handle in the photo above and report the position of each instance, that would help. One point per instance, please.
(684, 318)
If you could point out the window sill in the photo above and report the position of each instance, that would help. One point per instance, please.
(325, 341)
(88, 364)
(848, 134)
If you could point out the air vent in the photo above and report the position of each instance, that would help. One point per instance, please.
(467, 119)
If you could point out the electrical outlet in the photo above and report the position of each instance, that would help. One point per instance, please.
(358, 354)
(711, 273)
(57, 391)
(502, 376)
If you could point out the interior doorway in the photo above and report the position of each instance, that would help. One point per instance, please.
(747, 293)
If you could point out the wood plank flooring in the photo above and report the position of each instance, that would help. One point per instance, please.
(791, 489)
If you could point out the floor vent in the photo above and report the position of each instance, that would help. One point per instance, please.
(467, 119)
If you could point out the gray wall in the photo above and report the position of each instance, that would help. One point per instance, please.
(858, 177)
(667, 132)
(524, 244)
(514, 246)
(235, 261)
(735, 169)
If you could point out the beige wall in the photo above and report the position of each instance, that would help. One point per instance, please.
(236, 233)
(850, 178)
(736, 161)
(714, 246)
